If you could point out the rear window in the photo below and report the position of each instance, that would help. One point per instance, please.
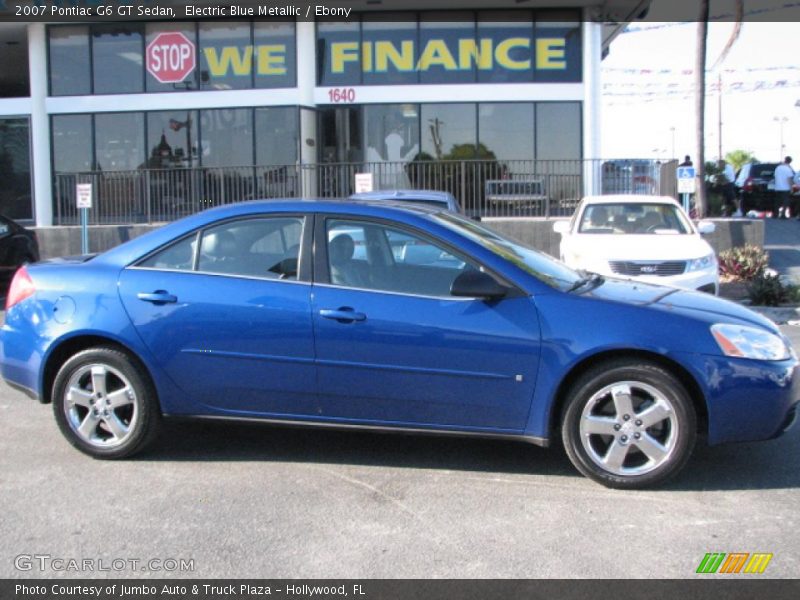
(766, 171)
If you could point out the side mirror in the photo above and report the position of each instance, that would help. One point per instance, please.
(704, 227)
(561, 227)
(476, 284)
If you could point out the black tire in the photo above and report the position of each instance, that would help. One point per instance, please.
(105, 403)
(600, 427)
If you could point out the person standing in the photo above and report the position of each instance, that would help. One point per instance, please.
(687, 161)
(784, 178)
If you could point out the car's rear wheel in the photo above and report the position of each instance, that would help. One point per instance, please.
(629, 424)
(105, 403)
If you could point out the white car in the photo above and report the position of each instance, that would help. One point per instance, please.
(640, 237)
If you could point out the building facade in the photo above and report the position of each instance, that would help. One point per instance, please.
(267, 108)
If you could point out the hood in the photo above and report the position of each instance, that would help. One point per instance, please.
(694, 304)
(656, 247)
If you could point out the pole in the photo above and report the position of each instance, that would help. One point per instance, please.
(84, 231)
(719, 113)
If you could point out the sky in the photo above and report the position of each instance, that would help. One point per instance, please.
(648, 90)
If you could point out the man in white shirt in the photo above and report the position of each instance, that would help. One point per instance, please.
(728, 176)
(784, 178)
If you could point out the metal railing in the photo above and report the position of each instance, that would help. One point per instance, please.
(515, 188)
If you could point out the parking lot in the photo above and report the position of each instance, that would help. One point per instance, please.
(251, 500)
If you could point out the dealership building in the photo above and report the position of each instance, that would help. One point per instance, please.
(169, 116)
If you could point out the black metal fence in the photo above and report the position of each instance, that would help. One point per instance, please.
(516, 188)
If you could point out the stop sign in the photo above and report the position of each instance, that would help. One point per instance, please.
(170, 57)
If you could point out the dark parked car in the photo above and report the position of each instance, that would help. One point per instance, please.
(755, 186)
(17, 247)
(267, 311)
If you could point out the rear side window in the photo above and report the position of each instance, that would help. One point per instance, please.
(175, 257)
(253, 248)
(258, 247)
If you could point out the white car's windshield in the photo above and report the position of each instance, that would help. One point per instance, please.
(634, 218)
(548, 270)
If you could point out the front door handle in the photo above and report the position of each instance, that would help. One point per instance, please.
(344, 314)
(157, 297)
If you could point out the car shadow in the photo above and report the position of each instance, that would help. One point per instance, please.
(207, 441)
(763, 465)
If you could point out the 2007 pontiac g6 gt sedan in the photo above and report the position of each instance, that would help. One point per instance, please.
(395, 318)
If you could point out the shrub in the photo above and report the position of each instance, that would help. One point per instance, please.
(743, 263)
(768, 290)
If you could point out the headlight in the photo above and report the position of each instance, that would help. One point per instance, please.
(749, 342)
(704, 262)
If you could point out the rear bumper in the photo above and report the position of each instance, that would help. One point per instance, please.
(20, 362)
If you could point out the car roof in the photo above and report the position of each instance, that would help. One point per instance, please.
(629, 199)
(318, 205)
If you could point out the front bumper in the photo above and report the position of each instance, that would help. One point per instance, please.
(747, 400)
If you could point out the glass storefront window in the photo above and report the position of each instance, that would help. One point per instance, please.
(69, 61)
(391, 136)
(187, 29)
(338, 53)
(276, 136)
(274, 54)
(117, 63)
(558, 130)
(449, 131)
(15, 169)
(226, 56)
(119, 141)
(72, 143)
(557, 40)
(446, 42)
(389, 49)
(506, 130)
(172, 139)
(226, 137)
(504, 47)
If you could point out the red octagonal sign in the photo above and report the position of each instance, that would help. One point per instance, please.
(170, 57)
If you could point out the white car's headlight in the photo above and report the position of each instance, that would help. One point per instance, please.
(750, 342)
(702, 263)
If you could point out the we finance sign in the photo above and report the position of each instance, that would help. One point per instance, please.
(449, 53)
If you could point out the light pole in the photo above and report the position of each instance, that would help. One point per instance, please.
(781, 121)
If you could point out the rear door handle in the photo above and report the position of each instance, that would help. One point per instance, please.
(343, 315)
(157, 297)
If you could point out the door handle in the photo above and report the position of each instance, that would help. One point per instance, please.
(343, 315)
(157, 297)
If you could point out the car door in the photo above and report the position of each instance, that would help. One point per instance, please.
(226, 313)
(394, 348)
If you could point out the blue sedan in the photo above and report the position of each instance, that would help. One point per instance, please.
(312, 313)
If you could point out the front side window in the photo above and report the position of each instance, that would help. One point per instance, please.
(382, 258)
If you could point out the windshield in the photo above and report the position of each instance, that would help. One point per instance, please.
(540, 265)
(634, 218)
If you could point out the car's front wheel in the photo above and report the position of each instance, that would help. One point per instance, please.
(629, 424)
(105, 403)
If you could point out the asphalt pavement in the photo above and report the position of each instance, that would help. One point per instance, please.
(252, 500)
(782, 242)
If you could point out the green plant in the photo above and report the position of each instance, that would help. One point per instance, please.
(767, 290)
(743, 263)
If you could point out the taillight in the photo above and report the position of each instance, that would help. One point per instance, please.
(748, 184)
(21, 287)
